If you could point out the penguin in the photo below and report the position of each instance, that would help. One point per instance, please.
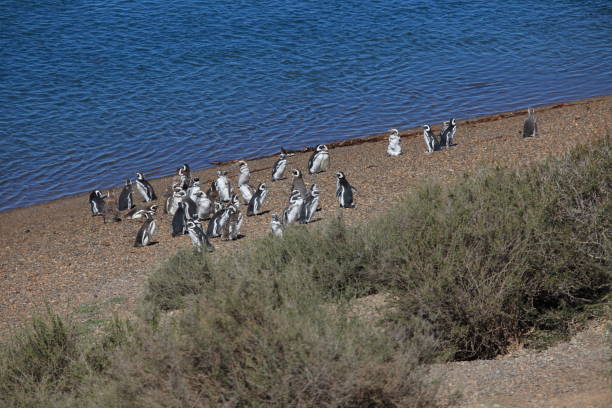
(310, 205)
(145, 188)
(293, 211)
(222, 185)
(530, 125)
(126, 198)
(191, 208)
(137, 213)
(279, 167)
(198, 236)
(184, 173)
(172, 202)
(344, 191)
(96, 202)
(298, 183)
(217, 222)
(247, 193)
(231, 229)
(205, 206)
(245, 173)
(110, 212)
(277, 226)
(256, 203)
(194, 189)
(179, 220)
(146, 232)
(430, 138)
(448, 133)
(319, 161)
(394, 148)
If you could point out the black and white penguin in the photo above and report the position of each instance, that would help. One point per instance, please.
(205, 206)
(319, 161)
(430, 139)
(394, 148)
(185, 174)
(217, 222)
(310, 204)
(277, 226)
(179, 220)
(344, 191)
(245, 173)
(247, 193)
(447, 134)
(198, 236)
(146, 232)
(530, 126)
(194, 189)
(138, 213)
(298, 183)
(191, 208)
(223, 186)
(294, 209)
(96, 202)
(256, 204)
(126, 198)
(145, 188)
(231, 229)
(172, 202)
(279, 167)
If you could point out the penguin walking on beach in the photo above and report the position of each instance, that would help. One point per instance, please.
(217, 222)
(530, 125)
(294, 209)
(319, 161)
(279, 167)
(394, 148)
(256, 204)
(298, 183)
(447, 134)
(198, 236)
(311, 203)
(276, 226)
(96, 202)
(344, 191)
(145, 188)
(222, 185)
(430, 138)
(146, 232)
(126, 198)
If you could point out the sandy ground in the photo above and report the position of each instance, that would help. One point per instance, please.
(56, 254)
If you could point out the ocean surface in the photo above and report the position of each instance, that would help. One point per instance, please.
(93, 91)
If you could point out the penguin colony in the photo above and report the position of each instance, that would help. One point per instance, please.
(217, 213)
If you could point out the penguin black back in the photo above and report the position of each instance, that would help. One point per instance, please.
(179, 221)
(126, 198)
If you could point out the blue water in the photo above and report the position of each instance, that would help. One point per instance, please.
(93, 91)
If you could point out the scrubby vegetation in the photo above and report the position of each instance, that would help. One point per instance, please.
(468, 269)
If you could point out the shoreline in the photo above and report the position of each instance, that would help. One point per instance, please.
(374, 138)
(54, 253)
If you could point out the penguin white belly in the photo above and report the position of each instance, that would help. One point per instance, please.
(245, 190)
(278, 173)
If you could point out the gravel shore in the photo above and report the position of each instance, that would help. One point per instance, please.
(55, 253)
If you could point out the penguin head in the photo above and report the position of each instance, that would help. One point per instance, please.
(128, 182)
(427, 128)
(452, 122)
(394, 132)
(221, 173)
(140, 176)
(153, 208)
(321, 148)
(185, 168)
(340, 175)
(275, 218)
(296, 173)
(262, 187)
(314, 188)
(99, 194)
(191, 225)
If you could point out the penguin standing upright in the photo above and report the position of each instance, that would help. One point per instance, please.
(430, 138)
(145, 188)
(245, 173)
(530, 125)
(231, 229)
(310, 204)
(96, 202)
(223, 186)
(394, 148)
(319, 161)
(179, 220)
(294, 209)
(276, 226)
(447, 133)
(256, 204)
(205, 206)
(217, 222)
(111, 212)
(198, 236)
(279, 167)
(146, 232)
(126, 198)
(344, 191)
(184, 173)
(298, 183)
